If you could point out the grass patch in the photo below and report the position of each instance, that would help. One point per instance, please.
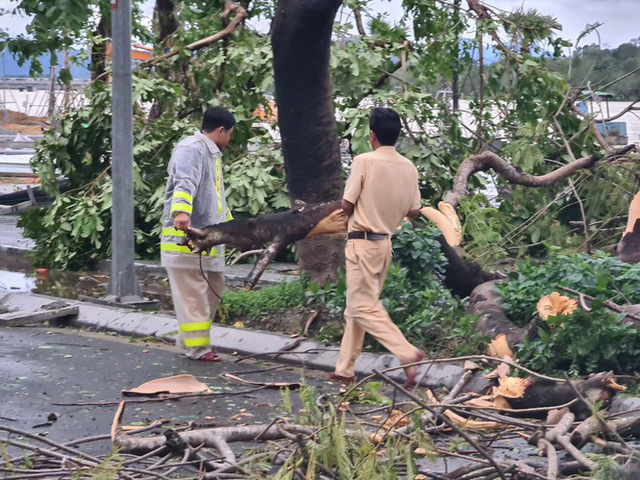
(265, 301)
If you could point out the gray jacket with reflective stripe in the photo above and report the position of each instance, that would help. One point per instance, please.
(195, 186)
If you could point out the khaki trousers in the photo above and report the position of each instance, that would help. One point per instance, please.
(367, 263)
(195, 306)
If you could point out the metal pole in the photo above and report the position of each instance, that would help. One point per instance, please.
(456, 68)
(123, 284)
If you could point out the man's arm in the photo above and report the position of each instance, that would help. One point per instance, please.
(353, 187)
(348, 207)
(417, 199)
(186, 168)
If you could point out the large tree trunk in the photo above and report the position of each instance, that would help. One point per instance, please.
(301, 42)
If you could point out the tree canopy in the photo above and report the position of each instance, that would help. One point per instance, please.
(209, 52)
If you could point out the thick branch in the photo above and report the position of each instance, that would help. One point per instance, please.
(632, 107)
(483, 14)
(241, 15)
(490, 161)
(359, 24)
(212, 437)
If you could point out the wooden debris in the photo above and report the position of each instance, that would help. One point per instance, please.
(20, 318)
(291, 385)
(499, 347)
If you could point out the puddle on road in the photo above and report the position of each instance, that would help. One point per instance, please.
(74, 284)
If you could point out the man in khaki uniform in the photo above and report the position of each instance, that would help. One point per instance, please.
(380, 192)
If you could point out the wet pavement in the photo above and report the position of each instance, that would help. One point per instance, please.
(42, 368)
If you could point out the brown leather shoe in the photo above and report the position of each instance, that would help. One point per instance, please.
(412, 371)
(209, 357)
(339, 378)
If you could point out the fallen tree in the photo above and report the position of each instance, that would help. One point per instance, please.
(407, 437)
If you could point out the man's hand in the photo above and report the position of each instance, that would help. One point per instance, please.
(182, 222)
(348, 207)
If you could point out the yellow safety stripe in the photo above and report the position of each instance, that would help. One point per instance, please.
(173, 247)
(196, 342)
(183, 195)
(181, 207)
(172, 232)
(195, 326)
(219, 183)
(229, 216)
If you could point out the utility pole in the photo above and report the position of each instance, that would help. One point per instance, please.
(123, 286)
(456, 68)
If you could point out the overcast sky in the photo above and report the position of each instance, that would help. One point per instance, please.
(621, 18)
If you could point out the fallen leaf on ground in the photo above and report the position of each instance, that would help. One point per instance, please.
(178, 384)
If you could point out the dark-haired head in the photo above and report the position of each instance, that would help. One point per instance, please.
(217, 124)
(216, 117)
(385, 125)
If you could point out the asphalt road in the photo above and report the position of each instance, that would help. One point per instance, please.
(41, 367)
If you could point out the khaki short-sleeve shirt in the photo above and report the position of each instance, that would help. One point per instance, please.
(383, 186)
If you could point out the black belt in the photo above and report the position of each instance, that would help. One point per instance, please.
(376, 237)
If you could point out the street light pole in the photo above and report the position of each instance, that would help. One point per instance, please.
(123, 286)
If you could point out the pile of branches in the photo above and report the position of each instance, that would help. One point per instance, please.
(339, 437)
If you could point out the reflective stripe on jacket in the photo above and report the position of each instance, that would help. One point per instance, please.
(195, 186)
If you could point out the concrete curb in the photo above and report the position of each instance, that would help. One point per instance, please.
(306, 353)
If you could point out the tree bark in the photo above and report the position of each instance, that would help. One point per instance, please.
(165, 21)
(99, 50)
(278, 229)
(489, 160)
(165, 24)
(309, 222)
(486, 302)
(629, 246)
(301, 42)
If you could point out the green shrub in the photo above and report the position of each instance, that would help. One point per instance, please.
(587, 341)
(600, 276)
(265, 301)
(583, 343)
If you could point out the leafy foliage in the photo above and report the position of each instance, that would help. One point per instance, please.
(586, 341)
(521, 96)
(265, 301)
(351, 456)
(600, 276)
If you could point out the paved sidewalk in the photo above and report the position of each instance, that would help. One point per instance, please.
(301, 352)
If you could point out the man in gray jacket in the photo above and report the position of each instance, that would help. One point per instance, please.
(194, 196)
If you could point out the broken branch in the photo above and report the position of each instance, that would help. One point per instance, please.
(240, 16)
